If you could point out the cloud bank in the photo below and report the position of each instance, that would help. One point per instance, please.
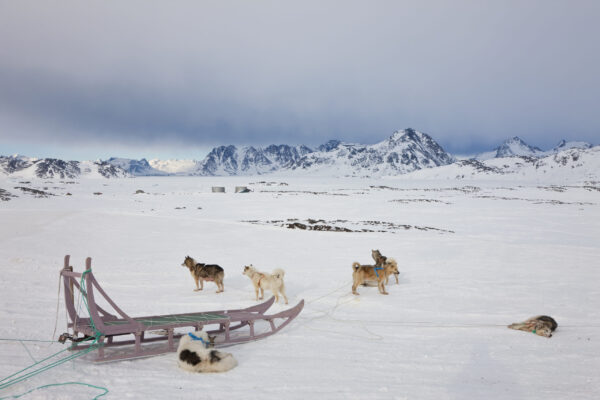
(192, 74)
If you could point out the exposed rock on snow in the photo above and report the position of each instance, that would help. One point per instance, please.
(5, 195)
(34, 192)
(342, 225)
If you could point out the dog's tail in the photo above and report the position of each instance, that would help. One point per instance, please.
(356, 265)
(278, 273)
(517, 325)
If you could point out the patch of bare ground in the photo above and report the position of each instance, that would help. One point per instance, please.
(297, 192)
(34, 192)
(408, 201)
(462, 189)
(591, 188)
(5, 195)
(553, 188)
(341, 225)
(537, 201)
(265, 183)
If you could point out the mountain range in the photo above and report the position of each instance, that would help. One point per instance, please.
(405, 151)
(517, 147)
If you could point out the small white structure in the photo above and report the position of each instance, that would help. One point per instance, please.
(218, 189)
(241, 189)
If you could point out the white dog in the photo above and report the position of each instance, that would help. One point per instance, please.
(262, 281)
(193, 355)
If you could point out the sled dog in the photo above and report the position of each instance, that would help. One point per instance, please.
(263, 280)
(205, 272)
(193, 355)
(362, 273)
(379, 261)
(542, 325)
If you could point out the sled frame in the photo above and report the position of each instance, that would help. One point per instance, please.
(113, 326)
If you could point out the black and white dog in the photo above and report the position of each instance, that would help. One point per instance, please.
(194, 355)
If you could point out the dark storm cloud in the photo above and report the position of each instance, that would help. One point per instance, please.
(202, 73)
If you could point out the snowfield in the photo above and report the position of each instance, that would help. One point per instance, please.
(498, 251)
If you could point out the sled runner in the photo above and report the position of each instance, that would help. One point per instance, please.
(227, 324)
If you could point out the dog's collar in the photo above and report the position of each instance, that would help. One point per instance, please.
(194, 337)
(377, 268)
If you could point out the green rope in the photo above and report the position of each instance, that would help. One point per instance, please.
(59, 384)
(19, 376)
(84, 297)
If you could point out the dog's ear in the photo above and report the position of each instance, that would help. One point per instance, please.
(211, 340)
(215, 356)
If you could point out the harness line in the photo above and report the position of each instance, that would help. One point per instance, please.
(20, 376)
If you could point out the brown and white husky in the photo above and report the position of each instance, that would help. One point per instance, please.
(205, 272)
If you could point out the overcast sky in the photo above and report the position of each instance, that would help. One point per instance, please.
(93, 79)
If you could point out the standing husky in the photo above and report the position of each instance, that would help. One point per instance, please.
(542, 325)
(205, 272)
(362, 273)
(379, 261)
(262, 281)
(194, 356)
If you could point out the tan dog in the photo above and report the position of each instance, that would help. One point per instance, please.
(542, 325)
(362, 273)
(262, 281)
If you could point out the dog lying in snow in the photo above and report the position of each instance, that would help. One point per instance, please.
(193, 354)
(542, 325)
(205, 272)
(362, 273)
(263, 280)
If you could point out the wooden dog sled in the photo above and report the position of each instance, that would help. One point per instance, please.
(107, 327)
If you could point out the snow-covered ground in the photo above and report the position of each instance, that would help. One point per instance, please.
(501, 251)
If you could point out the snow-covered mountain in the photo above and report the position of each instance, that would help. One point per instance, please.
(573, 164)
(135, 167)
(564, 145)
(511, 147)
(48, 168)
(14, 163)
(231, 160)
(517, 147)
(405, 151)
